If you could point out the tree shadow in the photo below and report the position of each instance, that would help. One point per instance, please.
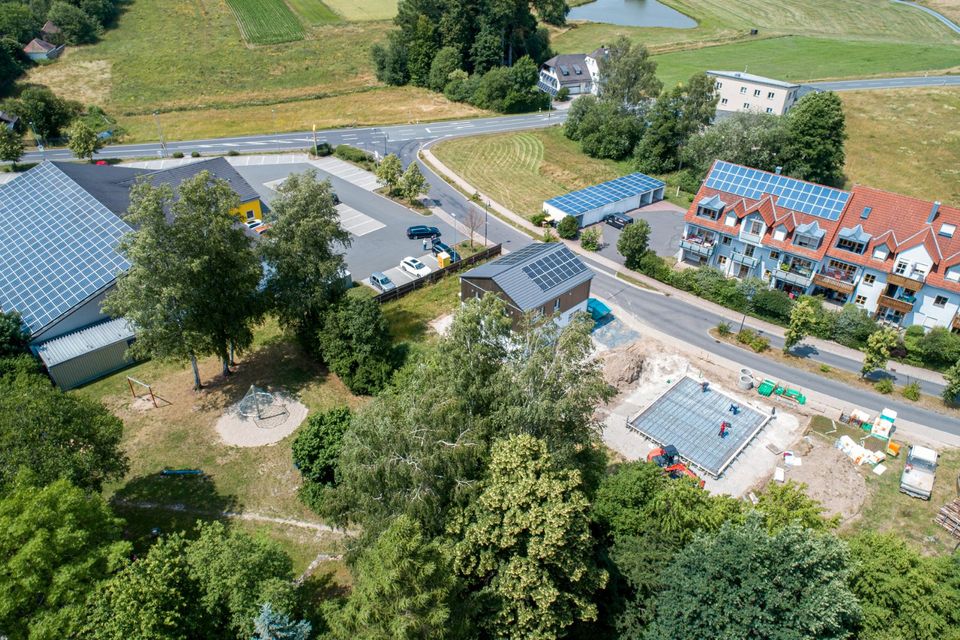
(804, 351)
(155, 505)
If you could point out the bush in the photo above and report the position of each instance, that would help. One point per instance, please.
(322, 150)
(773, 303)
(355, 343)
(723, 329)
(538, 218)
(317, 446)
(938, 347)
(568, 228)
(883, 385)
(825, 368)
(590, 239)
(912, 391)
(354, 155)
(760, 344)
(549, 235)
(194, 154)
(746, 336)
(233, 152)
(852, 325)
(656, 267)
(177, 154)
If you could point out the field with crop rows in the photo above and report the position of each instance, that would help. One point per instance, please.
(357, 10)
(314, 12)
(266, 21)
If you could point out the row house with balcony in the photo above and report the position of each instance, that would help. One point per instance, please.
(895, 256)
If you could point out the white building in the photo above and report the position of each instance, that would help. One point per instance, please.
(740, 91)
(591, 204)
(578, 72)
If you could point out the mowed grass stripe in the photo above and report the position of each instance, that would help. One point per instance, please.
(361, 10)
(266, 21)
(798, 58)
(314, 12)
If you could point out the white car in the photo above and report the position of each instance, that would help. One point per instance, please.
(414, 267)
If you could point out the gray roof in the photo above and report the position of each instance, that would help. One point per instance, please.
(73, 345)
(749, 77)
(535, 274)
(713, 202)
(218, 167)
(108, 184)
(854, 234)
(811, 229)
(570, 61)
(57, 246)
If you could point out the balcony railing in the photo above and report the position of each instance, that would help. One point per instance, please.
(698, 246)
(747, 236)
(914, 281)
(792, 276)
(903, 304)
(749, 261)
(836, 280)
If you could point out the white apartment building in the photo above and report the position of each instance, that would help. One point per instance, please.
(895, 256)
(741, 91)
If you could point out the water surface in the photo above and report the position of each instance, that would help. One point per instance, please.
(632, 13)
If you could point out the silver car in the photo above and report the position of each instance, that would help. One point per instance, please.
(381, 282)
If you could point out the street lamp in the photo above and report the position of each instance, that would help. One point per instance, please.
(163, 146)
(750, 292)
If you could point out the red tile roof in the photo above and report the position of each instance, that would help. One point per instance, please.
(39, 46)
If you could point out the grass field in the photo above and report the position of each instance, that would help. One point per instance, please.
(359, 10)
(799, 58)
(521, 170)
(949, 8)
(906, 141)
(313, 12)
(266, 21)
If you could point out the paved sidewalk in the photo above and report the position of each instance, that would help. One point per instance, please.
(615, 267)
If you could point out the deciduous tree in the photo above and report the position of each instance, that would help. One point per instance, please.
(803, 315)
(83, 141)
(633, 242)
(628, 75)
(58, 543)
(11, 146)
(743, 582)
(355, 343)
(191, 289)
(317, 447)
(952, 388)
(77, 27)
(403, 589)
(787, 503)
(753, 139)
(412, 183)
(14, 335)
(40, 108)
(304, 253)
(57, 435)
(389, 171)
(816, 132)
(524, 547)
(444, 63)
(17, 22)
(877, 351)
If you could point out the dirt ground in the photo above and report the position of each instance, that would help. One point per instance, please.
(830, 476)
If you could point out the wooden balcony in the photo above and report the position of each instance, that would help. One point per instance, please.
(895, 303)
(913, 284)
(834, 284)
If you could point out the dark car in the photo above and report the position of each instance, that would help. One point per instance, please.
(381, 281)
(335, 198)
(422, 231)
(440, 247)
(617, 220)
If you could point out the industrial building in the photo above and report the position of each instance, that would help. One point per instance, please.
(59, 260)
(591, 204)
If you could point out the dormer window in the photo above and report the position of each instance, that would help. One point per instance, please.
(850, 245)
(807, 242)
(706, 212)
(711, 207)
(808, 236)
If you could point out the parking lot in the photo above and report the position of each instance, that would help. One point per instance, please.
(377, 225)
(666, 228)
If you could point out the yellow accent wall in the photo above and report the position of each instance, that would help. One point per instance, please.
(244, 210)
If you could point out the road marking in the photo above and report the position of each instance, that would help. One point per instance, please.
(355, 222)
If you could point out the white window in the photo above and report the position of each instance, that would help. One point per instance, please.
(723, 101)
(756, 93)
(730, 220)
(746, 105)
(743, 90)
(755, 227)
(556, 305)
(769, 109)
(869, 279)
(770, 95)
(953, 275)
(880, 253)
(946, 230)
(901, 268)
(940, 301)
(779, 234)
(861, 300)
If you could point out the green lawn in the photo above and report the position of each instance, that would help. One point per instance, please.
(798, 58)
(314, 12)
(266, 21)
(359, 10)
(521, 170)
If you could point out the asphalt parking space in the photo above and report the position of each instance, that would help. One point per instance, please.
(398, 276)
(346, 171)
(666, 227)
(357, 223)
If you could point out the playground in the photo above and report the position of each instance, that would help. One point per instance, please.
(708, 427)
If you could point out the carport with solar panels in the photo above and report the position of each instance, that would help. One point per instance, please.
(591, 204)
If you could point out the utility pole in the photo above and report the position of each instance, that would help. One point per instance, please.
(486, 214)
(163, 146)
(37, 141)
(276, 133)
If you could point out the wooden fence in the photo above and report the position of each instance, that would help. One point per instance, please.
(433, 276)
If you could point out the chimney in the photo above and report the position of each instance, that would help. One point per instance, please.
(778, 170)
(933, 212)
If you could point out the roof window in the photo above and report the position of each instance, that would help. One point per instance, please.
(946, 230)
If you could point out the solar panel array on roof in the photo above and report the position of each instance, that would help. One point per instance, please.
(813, 199)
(57, 245)
(554, 268)
(594, 197)
(522, 254)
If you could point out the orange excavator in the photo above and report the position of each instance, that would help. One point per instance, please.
(668, 459)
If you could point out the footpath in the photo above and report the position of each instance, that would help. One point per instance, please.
(824, 346)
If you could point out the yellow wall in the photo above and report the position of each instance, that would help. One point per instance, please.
(245, 208)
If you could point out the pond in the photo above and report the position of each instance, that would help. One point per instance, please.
(632, 13)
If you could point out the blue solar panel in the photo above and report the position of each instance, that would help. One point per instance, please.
(814, 199)
(57, 246)
(599, 195)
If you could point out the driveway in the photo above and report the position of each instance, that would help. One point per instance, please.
(377, 225)
(666, 228)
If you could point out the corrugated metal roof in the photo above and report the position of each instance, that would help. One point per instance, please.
(535, 274)
(78, 343)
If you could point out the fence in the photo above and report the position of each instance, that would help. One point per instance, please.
(433, 276)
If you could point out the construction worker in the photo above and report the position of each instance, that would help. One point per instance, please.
(723, 428)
